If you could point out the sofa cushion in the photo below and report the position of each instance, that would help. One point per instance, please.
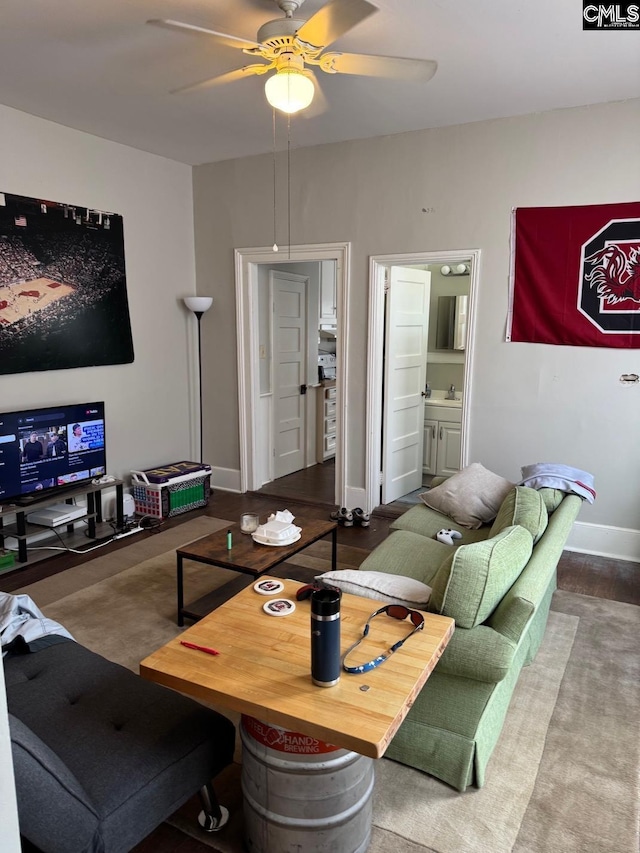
(470, 583)
(427, 522)
(471, 497)
(391, 589)
(407, 554)
(523, 506)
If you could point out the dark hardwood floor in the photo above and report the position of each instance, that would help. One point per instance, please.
(311, 493)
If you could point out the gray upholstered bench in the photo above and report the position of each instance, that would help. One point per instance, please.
(102, 757)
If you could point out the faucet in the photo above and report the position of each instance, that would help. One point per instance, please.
(451, 393)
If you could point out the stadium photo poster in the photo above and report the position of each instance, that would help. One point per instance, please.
(575, 275)
(63, 294)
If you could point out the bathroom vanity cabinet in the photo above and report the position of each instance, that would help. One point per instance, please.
(441, 447)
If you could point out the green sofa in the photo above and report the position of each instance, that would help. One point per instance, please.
(497, 583)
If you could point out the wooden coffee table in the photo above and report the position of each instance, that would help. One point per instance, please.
(263, 670)
(246, 556)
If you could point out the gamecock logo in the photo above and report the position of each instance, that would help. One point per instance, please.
(609, 288)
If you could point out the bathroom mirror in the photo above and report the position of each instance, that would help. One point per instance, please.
(451, 326)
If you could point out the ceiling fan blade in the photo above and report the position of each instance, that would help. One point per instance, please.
(229, 77)
(231, 41)
(381, 66)
(333, 20)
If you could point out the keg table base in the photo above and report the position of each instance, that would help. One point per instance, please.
(263, 670)
(300, 793)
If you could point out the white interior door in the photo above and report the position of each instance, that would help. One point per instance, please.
(405, 366)
(289, 336)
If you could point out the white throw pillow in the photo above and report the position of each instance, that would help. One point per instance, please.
(381, 586)
(472, 497)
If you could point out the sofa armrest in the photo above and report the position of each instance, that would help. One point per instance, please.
(512, 616)
(479, 653)
(49, 795)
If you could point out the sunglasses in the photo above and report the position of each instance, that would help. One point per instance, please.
(396, 611)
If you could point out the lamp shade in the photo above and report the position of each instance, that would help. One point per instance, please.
(198, 304)
(289, 90)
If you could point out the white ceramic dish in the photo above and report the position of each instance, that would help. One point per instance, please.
(263, 541)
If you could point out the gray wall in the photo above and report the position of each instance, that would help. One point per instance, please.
(529, 403)
(148, 403)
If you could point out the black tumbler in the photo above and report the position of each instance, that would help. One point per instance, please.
(325, 637)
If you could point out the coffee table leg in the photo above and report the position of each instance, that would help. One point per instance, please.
(334, 549)
(180, 591)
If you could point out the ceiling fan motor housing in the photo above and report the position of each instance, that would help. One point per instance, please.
(279, 32)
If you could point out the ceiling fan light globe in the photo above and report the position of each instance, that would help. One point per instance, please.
(289, 91)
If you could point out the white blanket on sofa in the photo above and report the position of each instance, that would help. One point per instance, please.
(562, 477)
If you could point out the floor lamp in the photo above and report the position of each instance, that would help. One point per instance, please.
(198, 305)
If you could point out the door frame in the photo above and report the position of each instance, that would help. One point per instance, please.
(246, 262)
(378, 265)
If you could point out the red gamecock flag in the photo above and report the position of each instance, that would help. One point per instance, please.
(575, 275)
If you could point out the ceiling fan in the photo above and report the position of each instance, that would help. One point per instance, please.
(289, 45)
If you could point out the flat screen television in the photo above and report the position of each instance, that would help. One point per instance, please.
(45, 451)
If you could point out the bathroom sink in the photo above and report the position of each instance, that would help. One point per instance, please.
(439, 398)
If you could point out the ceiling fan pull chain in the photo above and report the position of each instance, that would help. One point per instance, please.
(289, 181)
(275, 242)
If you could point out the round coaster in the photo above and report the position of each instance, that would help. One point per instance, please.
(268, 586)
(279, 607)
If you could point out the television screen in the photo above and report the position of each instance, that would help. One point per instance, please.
(43, 451)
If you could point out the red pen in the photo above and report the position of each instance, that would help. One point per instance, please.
(199, 648)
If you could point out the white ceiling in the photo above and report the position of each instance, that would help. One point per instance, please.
(94, 65)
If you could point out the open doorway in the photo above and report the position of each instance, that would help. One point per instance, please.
(430, 431)
(320, 398)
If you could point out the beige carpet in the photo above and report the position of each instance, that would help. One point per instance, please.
(563, 778)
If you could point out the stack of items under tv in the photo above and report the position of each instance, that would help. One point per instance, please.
(171, 489)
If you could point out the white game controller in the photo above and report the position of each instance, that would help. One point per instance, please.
(446, 536)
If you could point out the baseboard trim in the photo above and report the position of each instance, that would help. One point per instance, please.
(225, 479)
(618, 543)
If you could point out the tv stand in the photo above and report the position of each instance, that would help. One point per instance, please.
(35, 498)
(20, 528)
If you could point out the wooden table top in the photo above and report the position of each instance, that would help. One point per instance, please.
(264, 668)
(249, 556)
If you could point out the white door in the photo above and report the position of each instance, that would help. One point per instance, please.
(405, 367)
(289, 336)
